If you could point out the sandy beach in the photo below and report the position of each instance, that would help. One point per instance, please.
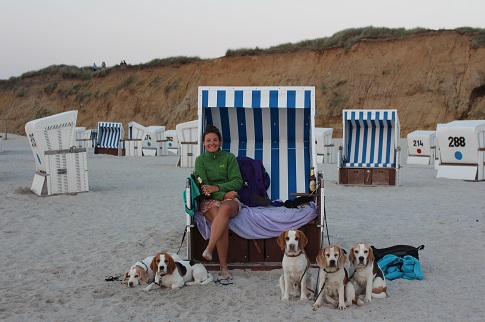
(57, 251)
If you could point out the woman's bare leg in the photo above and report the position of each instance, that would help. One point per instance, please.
(219, 218)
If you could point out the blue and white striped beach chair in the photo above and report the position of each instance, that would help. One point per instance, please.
(370, 152)
(109, 136)
(274, 125)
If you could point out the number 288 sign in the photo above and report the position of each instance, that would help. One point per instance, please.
(457, 149)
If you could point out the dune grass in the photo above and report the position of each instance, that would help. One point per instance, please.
(345, 38)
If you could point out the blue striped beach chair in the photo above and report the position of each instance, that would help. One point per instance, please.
(274, 125)
(91, 137)
(109, 136)
(370, 151)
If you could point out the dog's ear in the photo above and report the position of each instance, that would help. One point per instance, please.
(303, 240)
(321, 261)
(351, 255)
(171, 264)
(370, 258)
(281, 240)
(143, 277)
(153, 264)
(342, 258)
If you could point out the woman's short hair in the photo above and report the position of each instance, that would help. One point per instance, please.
(211, 129)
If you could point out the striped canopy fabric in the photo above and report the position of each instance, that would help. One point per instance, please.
(91, 135)
(370, 138)
(271, 124)
(109, 134)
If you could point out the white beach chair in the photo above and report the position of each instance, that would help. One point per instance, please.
(170, 136)
(79, 137)
(274, 125)
(90, 139)
(60, 166)
(462, 150)
(154, 142)
(134, 143)
(421, 147)
(187, 136)
(109, 136)
(324, 146)
(370, 151)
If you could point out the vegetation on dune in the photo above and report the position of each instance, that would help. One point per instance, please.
(349, 37)
(345, 38)
(84, 73)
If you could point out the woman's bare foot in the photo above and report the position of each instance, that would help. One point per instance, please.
(225, 273)
(207, 254)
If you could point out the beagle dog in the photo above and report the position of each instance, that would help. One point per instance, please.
(141, 272)
(170, 273)
(296, 279)
(367, 275)
(200, 275)
(334, 281)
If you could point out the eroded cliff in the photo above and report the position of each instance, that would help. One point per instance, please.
(430, 78)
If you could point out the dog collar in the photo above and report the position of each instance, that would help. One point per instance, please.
(338, 268)
(146, 267)
(301, 252)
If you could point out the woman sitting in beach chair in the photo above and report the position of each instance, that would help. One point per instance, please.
(221, 178)
(275, 126)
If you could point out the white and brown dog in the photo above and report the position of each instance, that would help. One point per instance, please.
(141, 272)
(367, 275)
(334, 280)
(170, 273)
(200, 275)
(295, 280)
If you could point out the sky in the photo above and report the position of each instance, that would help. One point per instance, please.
(35, 34)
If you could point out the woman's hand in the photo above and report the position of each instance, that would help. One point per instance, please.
(207, 189)
(230, 195)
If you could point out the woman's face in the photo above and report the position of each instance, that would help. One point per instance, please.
(212, 143)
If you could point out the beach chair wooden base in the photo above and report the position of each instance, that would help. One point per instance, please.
(367, 176)
(110, 151)
(255, 254)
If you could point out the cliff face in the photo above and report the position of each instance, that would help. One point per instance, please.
(429, 78)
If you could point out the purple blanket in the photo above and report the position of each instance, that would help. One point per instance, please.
(262, 222)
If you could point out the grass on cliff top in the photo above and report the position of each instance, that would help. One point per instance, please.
(349, 37)
(345, 38)
(84, 73)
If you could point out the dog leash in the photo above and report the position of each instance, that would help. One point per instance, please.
(183, 238)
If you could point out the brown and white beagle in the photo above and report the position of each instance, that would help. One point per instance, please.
(334, 279)
(295, 280)
(139, 273)
(367, 275)
(170, 273)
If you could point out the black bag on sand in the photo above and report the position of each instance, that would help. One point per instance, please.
(397, 250)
